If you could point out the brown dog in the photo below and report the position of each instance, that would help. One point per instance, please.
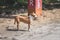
(25, 19)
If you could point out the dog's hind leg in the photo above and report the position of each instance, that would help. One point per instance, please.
(17, 25)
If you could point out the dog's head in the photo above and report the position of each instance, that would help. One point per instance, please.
(33, 16)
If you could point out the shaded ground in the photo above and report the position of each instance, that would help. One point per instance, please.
(46, 28)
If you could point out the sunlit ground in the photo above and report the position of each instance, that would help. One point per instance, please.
(47, 27)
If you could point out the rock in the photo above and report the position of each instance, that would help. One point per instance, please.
(14, 38)
(2, 37)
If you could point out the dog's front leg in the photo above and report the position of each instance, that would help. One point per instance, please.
(28, 24)
(28, 27)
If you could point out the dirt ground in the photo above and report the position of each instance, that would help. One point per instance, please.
(44, 26)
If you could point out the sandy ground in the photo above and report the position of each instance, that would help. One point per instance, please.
(47, 27)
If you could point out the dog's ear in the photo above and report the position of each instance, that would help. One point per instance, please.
(35, 15)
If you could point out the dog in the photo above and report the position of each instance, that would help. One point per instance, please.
(24, 19)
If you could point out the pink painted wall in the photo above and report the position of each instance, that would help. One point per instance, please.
(35, 6)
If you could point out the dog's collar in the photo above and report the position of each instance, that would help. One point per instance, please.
(31, 17)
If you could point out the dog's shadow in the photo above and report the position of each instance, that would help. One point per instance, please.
(15, 30)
